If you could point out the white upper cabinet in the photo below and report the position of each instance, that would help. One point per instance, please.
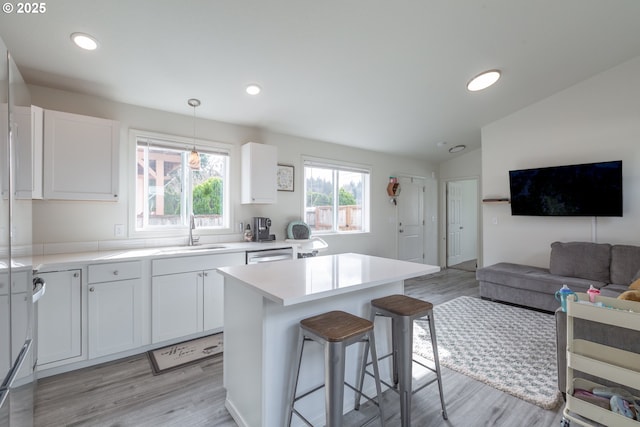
(28, 129)
(259, 173)
(81, 156)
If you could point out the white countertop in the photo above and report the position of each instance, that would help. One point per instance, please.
(60, 260)
(308, 279)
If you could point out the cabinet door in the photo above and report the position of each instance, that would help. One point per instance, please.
(59, 317)
(259, 173)
(80, 157)
(115, 317)
(176, 305)
(213, 290)
(213, 295)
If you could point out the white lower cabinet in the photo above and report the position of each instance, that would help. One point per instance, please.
(59, 318)
(176, 305)
(115, 307)
(115, 318)
(187, 295)
(213, 299)
(123, 306)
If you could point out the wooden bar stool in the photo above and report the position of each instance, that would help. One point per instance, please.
(335, 331)
(403, 310)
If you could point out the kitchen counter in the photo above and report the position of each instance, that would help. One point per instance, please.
(309, 279)
(264, 304)
(62, 260)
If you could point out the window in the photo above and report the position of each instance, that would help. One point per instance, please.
(168, 191)
(336, 196)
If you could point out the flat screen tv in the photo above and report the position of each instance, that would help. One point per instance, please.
(592, 189)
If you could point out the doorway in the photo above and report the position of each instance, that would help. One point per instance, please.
(462, 224)
(411, 219)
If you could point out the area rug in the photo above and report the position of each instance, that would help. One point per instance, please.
(509, 348)
(177, 355)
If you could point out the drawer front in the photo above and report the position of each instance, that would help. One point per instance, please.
(160, 267)
(114, 271)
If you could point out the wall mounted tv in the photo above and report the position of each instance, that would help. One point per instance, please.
(592, 189)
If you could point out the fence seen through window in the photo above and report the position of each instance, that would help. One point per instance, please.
(336, 198)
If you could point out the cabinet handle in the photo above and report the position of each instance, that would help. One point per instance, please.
(199, 274)
(206, 274)
(91, 289)
(76, 274)
(115, 272)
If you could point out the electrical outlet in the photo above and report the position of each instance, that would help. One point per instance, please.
(118, 230)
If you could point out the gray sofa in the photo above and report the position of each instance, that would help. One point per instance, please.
(610, 268)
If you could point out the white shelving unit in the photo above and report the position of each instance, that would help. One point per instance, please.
(610, 363)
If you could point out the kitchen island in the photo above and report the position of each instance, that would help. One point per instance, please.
(264, 304)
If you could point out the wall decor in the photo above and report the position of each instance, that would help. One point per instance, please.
(285, 178)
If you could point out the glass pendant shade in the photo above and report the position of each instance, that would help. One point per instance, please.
(194, 156)
(194, 159)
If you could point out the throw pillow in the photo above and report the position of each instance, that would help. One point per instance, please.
(630, 296)
(635, 285)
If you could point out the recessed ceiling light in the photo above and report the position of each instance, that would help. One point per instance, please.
(84, 41)
(457, 148)
(253, 89)
(483, 80)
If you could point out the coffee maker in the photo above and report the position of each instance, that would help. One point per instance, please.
(261, 229)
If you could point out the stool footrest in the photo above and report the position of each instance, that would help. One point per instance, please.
(395, 388)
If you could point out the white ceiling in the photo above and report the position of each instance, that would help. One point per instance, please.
(379, 74)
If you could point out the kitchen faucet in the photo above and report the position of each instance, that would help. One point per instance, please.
(192, 226)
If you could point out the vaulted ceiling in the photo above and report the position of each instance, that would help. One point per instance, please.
(383, 75)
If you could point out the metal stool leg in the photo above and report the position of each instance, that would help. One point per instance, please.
(334, 382)
(436, 360)
(403, 329)
(294, 382)
(361, 373)
(376, 373)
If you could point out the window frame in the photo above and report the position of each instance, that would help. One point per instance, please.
(182, 144)
(337, 166)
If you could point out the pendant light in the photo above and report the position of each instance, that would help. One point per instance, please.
(194, 156)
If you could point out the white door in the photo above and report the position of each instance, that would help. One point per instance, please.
(462, 221)
(454, 223)
(411, 219)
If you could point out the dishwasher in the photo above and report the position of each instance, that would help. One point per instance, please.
(269, 255)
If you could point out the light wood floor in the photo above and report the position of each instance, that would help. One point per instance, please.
(124, 393)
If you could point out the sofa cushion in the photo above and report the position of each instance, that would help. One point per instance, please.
(583, 260)
(625, 264)
(535, 279)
